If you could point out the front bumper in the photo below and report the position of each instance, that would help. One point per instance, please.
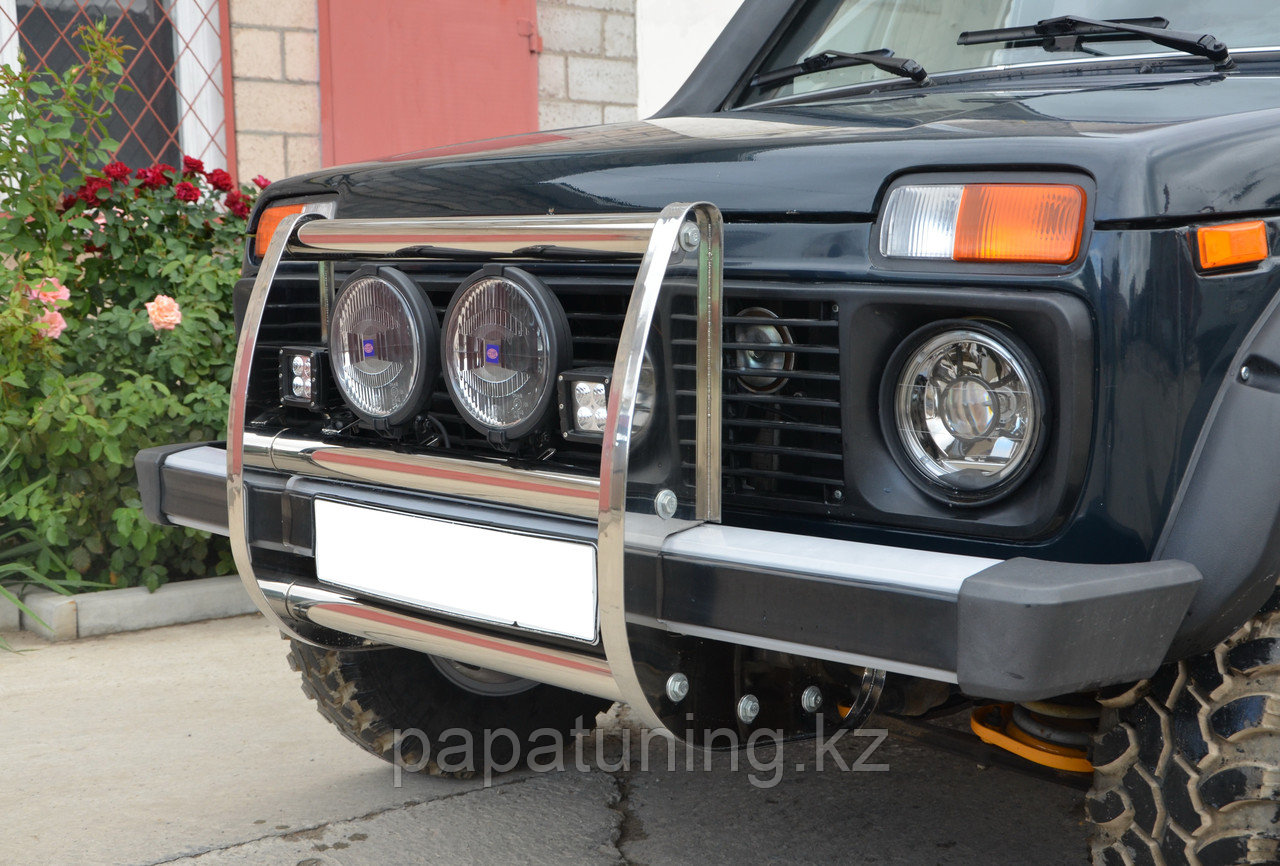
(676, 592)
(1019, 629)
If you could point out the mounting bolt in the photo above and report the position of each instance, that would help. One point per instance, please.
(677, 688)
(837, 495)
(664, 504)
(1245, 373)
(748, 709)
(690, 237)
(811, 699)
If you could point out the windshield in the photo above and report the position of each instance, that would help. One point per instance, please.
(926, 31)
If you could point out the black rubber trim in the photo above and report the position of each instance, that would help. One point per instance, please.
(1031, 629)
(166, 490)
(819, 612)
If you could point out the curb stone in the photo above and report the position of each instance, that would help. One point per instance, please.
(10, 617)
(68, 617)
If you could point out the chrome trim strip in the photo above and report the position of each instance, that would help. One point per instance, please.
(495, 483)
(920, 572)
(618, 234)
(614, 458)
(203, 460)
(558, 667)
(709, 363)
(326, 299)
(784, 646)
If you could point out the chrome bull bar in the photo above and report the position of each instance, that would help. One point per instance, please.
(313, 238)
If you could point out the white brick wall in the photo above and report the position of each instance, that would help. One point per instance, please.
(587, 71)
(276, 72)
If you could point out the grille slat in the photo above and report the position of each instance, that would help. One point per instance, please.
(785, 446)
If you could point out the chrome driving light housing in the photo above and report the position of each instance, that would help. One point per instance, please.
(965, 409)
(383, 346)
(761, 343)
(506, 338)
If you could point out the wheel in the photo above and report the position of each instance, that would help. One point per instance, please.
(1187, 764)
(394, 703)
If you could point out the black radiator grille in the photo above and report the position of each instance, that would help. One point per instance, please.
(781, 447)
(784, 446)
(291, 317)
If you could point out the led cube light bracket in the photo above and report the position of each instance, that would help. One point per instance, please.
(311, 365)
(569, 402)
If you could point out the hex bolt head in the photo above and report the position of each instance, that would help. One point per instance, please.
(748, 709)
(1245, 373)
(811, 699)
(677, 688)
(690, 237)
(664, 504)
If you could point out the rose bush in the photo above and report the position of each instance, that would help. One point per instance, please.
(115, 326)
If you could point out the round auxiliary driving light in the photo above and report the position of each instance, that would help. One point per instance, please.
(383, 346)
(769, 361)
(506, 337)
(966, 410)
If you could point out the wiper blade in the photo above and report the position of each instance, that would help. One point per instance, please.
(1066, 32)
(881, 58)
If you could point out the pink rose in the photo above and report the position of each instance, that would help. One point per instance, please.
(164, 313)
(54, 324)
(262, 182)
(48, 292)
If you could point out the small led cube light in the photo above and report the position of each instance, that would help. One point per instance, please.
(302, 377)
(584, 404)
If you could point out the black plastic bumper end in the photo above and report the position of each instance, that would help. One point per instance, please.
(1030, 630)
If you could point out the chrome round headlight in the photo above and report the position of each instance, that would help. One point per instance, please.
(506, 337)
(766, 359)
(968, 410)
(383, 342)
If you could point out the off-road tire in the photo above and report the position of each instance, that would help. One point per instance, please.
(369, 695)
(1187, 764)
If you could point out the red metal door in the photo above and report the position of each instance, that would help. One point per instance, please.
(397, 76)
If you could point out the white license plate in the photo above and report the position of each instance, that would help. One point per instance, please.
(541, 584)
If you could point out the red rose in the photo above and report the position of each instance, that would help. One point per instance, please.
(68, 199)
(191, 165)
(238, 204)
(220, 180)
(262, 182)
(89, 192)
(117, 171)
(186, 192)
(155, 177)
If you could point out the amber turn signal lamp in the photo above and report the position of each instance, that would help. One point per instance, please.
(268, 222)
(1232, 244)
(984, 222)
(1007, 222)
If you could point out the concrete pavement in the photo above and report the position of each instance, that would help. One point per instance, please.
(194, 745)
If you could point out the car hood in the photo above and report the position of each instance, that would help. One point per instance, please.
(1157, 147)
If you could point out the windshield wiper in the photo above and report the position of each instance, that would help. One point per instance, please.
(1066, 32)
(881, 58)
